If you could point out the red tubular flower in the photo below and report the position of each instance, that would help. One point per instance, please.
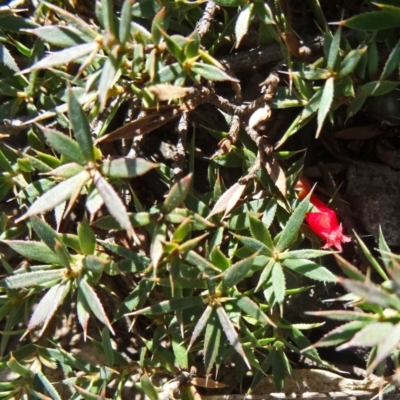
(323, 222)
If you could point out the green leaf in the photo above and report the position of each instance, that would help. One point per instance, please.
(60, 36)
(63, 57)
(334, 50)
(7, 59)
(253, 310)
(157, 25)
(48, 305)
(219, 259)
(211, 73)
(177, 194)
(255, 245)
(369, 336)
(200, 325)
(126, 167)
(64, 145)
(94, 303)
(392, 62)
(372, 294)
(80, 126)
(237, 272)
(125, 23)
(350, 61)
(107, 347)
(109, 20)
(148, 388)
(374, 20)
(371, 259)
(113, 202)
(175, 45)
(385, 252)
(260, 232)
(310, 269)
(278, 282)
(231, 334)
(326, 103)
(34, 278)
(51, 239)
(50, 389)
(308, 253)
(386, 347)
(56, 195)
(86, 31)
(18, 368)
(168, 306)
(87, 238)
(291, 229)
(212, 341)
(109, 75)
(33, 251)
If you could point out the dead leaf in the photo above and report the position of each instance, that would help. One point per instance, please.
(277, 175)
(165, 92)
(228, 200)
(140, 126)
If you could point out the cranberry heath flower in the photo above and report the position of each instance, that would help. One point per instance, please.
(322, 220)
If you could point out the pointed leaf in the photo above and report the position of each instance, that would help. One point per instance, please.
(82, 310)
(386, 347)
(334, 49)
(34, 278)
(200, 325)
(260, 232)
(341, 334)
(374, 20)
(80, 126)
(351, 60)
(125, 23)
(94, 303)
(255, 245)
(212, 340)
(126, 167)
(64, 145)
(63, 57)
(60, 36)
(170, 306)
(310, 269)
(309, 253)
(291, 229)
(243, 23)
(48, 306)
(369, 336)
(278, 283)
(86, 31)
(228, 200)
(177, 194)
(113, 202)
(87, 238)
(237, 272)
(372, 294)
(33, 251)
(231, 333)
(7, 59)
(326, 103)
(50, 238)
(253, 310)
(56, 195)
(211, 73)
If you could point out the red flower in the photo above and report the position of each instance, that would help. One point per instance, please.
(323, 222)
